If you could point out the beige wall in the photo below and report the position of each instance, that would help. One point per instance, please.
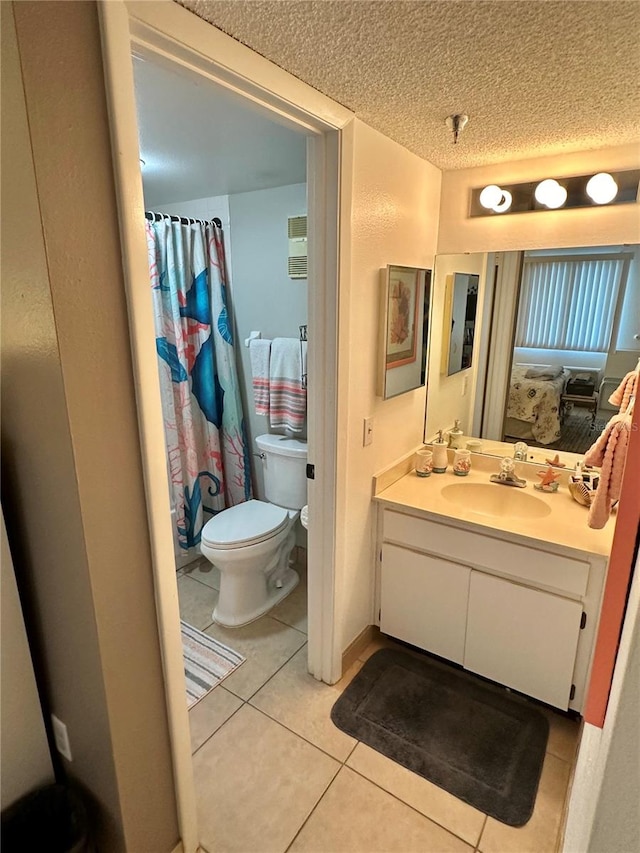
(73, 484)
(537, 230)
(26, 761)
(391, 201)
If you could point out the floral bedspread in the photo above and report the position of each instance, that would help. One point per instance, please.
(537, 401)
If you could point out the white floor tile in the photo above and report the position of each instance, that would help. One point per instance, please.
(266, 645)
(256, 784)
(303, 704)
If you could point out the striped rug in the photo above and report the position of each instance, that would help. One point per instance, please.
(206, 662)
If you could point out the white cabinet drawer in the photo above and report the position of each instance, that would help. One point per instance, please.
(476, 549)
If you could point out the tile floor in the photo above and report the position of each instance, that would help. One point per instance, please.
(273, 773)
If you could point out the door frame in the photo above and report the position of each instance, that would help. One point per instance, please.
(173, 34)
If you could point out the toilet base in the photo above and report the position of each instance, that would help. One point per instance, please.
(289, 578)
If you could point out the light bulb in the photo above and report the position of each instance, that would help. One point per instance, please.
(601, 188)
(490, 196)
(550, 194)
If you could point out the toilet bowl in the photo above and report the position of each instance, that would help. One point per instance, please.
(251, 543)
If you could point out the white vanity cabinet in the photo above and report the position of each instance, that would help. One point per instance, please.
(521, 615)
(425, 601)
(522, 637)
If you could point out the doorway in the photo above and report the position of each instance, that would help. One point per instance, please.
(171, 36)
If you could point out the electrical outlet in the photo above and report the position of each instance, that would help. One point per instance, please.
(465, 385)
(367, 433)
(61, 737)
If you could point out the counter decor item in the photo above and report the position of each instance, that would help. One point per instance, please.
(583, 484)
(456, 436)
(474, 445)
(440, 456)
(548, 480)
(461, 462)
(424, 463)
(580, 492)
(555, 462)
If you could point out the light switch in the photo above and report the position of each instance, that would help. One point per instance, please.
(367, 434)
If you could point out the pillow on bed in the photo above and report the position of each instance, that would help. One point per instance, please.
(547, 371)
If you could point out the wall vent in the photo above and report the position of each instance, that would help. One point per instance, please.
(297, 232)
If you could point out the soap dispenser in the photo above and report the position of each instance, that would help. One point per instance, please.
(456, 436)
(440, 457)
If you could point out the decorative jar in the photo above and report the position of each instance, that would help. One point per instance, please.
(461, 462)
(424, 463)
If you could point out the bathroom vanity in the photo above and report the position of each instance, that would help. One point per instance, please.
(505, 582)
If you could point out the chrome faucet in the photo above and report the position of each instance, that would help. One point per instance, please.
(507, 475)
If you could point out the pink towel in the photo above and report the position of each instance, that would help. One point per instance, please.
(626, 389)
(259, 355)
(287, 395)
(609, 451)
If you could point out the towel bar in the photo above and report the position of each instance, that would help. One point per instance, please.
(253, 336)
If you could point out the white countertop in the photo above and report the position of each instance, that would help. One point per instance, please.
(566, 525)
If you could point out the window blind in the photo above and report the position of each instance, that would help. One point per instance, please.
(570, 303)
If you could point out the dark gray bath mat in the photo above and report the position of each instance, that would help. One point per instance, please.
(475, 740)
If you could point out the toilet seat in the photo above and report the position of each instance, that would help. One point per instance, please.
(245, 524)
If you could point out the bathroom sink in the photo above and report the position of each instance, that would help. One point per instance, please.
(495, 500)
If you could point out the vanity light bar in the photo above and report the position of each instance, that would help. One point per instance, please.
(594, 190)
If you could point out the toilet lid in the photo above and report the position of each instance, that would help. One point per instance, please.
(244, 524)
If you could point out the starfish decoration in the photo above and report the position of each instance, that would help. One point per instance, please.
(548, 477)
(555, 462)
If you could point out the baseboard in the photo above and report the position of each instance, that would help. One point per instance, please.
(353, 651)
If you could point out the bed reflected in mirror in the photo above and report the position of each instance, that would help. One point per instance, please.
(556, 331)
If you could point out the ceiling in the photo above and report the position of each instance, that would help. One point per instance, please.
(536, 77)
(198, 141)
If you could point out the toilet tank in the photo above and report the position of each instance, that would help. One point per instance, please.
(285, 470)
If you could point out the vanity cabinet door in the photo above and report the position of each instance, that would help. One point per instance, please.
(424, 601)
(522, 637)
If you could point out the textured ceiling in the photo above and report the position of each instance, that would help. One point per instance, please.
(535, 76)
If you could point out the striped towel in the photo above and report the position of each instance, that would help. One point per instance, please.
(287, 397)
(259, 354)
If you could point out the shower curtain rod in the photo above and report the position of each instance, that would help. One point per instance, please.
(184, 220)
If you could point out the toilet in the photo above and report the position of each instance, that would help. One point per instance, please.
(251, 543)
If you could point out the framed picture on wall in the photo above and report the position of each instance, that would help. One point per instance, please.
(402, 315)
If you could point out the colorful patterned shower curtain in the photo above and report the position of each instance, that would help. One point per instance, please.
(203, 420)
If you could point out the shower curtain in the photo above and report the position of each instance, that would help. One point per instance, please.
(205, 433)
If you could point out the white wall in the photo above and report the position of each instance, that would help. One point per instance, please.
(629, 325)
(539, 229)
(452, 397)
(26, 762)
(603, 808)
(264, 297)
(390, 200)
(199, 208)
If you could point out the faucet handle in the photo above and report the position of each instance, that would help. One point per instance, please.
(520, 450)
(507, 466)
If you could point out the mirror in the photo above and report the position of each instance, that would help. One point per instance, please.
(555, 332)
(460, 320)
(405, 304)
